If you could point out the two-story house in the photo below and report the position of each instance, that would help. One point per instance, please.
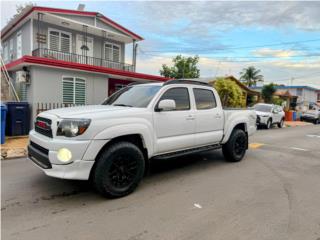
(68, 56)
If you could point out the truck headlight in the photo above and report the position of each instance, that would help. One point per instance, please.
(72, 127)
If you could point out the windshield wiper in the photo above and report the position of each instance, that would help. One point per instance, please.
(122, 105)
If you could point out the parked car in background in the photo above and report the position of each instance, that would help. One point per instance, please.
(113, 143)
(269, 114)
(312, 115)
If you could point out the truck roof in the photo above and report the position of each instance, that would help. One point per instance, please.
(177, 81)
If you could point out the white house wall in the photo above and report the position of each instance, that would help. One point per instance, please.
(46, 85)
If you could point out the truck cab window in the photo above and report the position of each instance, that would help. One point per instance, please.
(180, 95)
(204, 99)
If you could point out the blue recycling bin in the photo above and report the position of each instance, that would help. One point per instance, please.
(18, 122)
(3, 122)
(294, 116)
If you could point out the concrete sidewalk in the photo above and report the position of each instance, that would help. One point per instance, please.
(14, 147)
(296, 123)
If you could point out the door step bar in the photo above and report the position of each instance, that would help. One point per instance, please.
(188, 151)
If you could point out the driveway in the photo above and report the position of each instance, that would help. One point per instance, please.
(274, 193)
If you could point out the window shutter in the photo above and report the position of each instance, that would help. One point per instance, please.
(54, 40)
(116, 54)
(68, 90)
(65, 43)
(80, 91)
(19, 45)
(74, 91)
(5, 51)
(108, 52)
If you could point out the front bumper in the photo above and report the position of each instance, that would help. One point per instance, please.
(43, 151)
(262, 120)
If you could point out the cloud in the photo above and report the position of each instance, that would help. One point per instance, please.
(268, 52)
(300, 64)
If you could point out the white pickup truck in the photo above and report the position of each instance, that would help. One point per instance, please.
(113, 143)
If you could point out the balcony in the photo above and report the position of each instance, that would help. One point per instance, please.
(71, 57)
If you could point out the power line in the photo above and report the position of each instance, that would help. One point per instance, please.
(233, 59)
(234, 48)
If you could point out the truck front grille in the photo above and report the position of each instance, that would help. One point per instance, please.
(43, 126)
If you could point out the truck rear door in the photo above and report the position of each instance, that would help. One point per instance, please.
(209, 117)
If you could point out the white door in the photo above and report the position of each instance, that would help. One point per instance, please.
(85, 50)
(175, 129)
(209, 118)
(276, 114)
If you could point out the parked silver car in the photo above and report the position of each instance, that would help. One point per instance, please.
(269, 114)
(312, 115)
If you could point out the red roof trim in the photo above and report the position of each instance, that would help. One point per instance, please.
(16, 23)
(60, 10)
(68, 11)
(84, 67)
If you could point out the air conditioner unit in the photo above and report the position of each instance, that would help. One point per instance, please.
(21, 76)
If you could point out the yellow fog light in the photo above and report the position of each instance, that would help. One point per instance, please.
(64, 155)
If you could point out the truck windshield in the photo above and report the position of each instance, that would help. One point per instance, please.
(133, 96)
(262, 108)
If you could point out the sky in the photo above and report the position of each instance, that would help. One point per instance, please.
(282, 39)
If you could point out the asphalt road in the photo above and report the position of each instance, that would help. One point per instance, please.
(274, 193)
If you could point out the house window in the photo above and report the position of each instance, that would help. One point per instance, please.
(318, 98)
(11, 49)
(5, 51)
(19, 45)
(59, 41)
(74, 90)
(112, 52)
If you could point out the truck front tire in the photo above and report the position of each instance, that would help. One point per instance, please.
(119, 170)
(235, 149)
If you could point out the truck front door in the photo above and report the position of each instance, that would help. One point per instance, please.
(175, 129)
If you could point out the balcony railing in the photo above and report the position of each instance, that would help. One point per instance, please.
(71, 57)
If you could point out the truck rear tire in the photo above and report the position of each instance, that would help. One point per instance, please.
(119, 170)
(235, 149)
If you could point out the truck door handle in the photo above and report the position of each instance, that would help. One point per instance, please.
(218, 116)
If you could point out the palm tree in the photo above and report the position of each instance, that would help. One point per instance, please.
(250, 76)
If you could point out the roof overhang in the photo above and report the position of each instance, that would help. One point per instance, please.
(112, 73)
(28, 12)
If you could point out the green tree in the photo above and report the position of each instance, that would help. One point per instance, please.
(267, 92)
(230, 93)
(183, 67)
(250, 76)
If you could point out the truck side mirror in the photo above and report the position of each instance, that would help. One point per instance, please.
(166, 105)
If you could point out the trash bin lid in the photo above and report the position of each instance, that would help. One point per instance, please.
(3, 107)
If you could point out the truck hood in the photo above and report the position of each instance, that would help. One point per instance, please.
(263, 113)
(89, 111)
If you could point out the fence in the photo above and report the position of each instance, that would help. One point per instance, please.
(41, 107)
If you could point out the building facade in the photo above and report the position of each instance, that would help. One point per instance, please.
(69, 57)
(305, 95)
